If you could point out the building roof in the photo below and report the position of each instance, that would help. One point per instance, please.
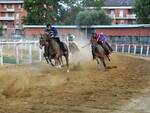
(93, 26)
(11, 1)
(111, 3)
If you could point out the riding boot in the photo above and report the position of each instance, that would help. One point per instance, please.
(62, 46)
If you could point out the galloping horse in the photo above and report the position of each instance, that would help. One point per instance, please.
(55, 52)
(100, 54)
(73, 48)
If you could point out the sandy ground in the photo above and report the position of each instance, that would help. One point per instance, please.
(38, 88)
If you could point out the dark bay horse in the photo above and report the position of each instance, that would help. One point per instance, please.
(55, 52)
(99, 52)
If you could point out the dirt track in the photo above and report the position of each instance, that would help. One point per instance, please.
(38, 88)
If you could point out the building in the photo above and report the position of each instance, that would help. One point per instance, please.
(121, 11)
(137, 33)
(11, 13)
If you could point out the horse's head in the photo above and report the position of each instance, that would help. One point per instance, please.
(93, 41)
(43, 41)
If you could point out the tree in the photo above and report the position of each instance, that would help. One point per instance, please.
(92, 17)
(97, 4)
(41, 11)
(68, 17)
(56, 11)
(142, 11)
(69, 12)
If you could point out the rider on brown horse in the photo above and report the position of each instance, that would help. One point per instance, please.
(73, 48)
(101, 39)
(52, 31)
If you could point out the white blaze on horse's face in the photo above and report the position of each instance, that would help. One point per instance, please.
(41, 42)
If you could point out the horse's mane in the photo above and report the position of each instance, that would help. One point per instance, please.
(93, 41)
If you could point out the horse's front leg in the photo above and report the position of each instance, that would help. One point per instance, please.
(51, 62)
(61, 61)
(57, 63)
(67, 61)
(46, 58)
(98, 63)
(103, 61)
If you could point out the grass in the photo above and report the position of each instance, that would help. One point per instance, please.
(10, 60)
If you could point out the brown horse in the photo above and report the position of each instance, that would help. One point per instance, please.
(99, 52)
(55, 52)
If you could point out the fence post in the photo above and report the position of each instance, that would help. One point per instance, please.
(35, 46)
(30, 53)
(40, 54)
(116, 48)
(129, 48)
(123, 48)
(141, 49)
(21, 51)
(147, 52)
(17, 54)
(14, 44)
(134, 49)
(1, 55)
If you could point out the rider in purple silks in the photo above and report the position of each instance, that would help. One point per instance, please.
(102, 40)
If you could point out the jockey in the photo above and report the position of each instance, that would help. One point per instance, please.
(70, 38)
(49, 28)
(102, 40)
(52, 31)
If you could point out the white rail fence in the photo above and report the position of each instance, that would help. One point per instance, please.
(20, 48)
(138, 49)
(29, 48)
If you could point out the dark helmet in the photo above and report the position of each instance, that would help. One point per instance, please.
(48, 25)
(93, 32)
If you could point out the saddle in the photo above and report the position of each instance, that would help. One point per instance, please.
(61, 44)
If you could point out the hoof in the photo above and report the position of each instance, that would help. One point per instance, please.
(68, 71)
(58, 67)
